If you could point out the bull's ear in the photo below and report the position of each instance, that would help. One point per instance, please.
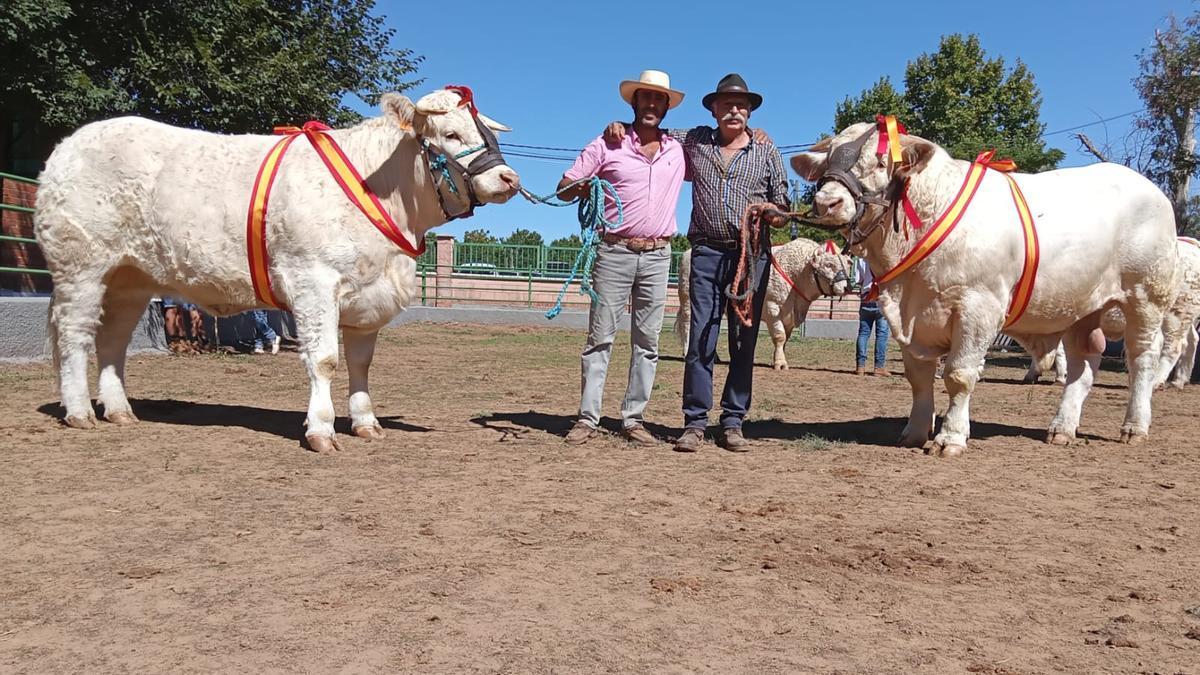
(810, 165)
(915, 155)
(492, 124)
(399, 108)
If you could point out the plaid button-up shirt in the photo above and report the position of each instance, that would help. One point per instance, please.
(721, 192)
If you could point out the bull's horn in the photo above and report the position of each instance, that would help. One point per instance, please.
(493, 124)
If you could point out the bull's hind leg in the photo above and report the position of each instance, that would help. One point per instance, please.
(1082, 344)
(360, 349)
(123, 306)
(1187, 361)
(1175, 327)
(315, 306)
(75, 307)
(919, 373)
(1143, 321)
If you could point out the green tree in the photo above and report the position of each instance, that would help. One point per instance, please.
(880, 99)
(479, 236)
(964, 101)
(573, 241)
(679, 242)
(221, 65)
(1169, 84)
(524, 237)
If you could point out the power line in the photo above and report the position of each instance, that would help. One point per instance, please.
(1107, 119)
(787, 149)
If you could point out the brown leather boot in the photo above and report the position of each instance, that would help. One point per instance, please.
(638, 435)
(860, 371)
(882, 372)
(690, 440)
(580, 433)
(733, 440)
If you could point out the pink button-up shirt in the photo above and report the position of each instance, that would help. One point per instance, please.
(649, 189)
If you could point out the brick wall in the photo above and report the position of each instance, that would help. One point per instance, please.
(17, 254)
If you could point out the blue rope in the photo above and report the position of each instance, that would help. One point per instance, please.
(438, 163)
(592, 224)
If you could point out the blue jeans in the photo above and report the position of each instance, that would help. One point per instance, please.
(869, 316)
(712, 271)
(263, 333)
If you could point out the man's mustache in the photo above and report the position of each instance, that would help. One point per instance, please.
(733, 116)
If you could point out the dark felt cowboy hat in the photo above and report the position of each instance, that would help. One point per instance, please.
(732, 84)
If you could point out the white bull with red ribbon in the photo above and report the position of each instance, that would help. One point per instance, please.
(129, 208)
(977, 249)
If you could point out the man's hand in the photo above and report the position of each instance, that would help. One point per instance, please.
(761, 136)
(770, 215)
(578, 191)
(614, 132)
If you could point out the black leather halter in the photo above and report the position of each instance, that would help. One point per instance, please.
(837, 169)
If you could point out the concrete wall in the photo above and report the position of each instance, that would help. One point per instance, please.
(23, 325)
(23, 330)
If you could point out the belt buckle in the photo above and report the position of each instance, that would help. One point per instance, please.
(638, 244)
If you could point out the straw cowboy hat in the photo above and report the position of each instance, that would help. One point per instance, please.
(654, 80)
(732, 84)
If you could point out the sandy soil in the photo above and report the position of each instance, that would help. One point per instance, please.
(473, 539)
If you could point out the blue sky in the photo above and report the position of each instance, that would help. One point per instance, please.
(550, 70)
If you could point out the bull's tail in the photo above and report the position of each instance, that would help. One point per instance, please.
(51, 346)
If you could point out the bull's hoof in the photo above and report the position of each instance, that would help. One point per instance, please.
(1130, 437)
(326, 445)
(1059, 438)
(913, 440)
(780, 366)
(86, 422)
(121, 418)
(1029, 378)
(945, 450)
(371, 432)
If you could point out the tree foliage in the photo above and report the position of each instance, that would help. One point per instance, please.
(479, 236)
(964, 101)
(524, 237)
(221, 65)
(573, 241)
(1169, 85)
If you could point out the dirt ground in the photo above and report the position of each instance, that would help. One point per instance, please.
(473, 539)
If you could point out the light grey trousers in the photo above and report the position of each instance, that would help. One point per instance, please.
(621, 275)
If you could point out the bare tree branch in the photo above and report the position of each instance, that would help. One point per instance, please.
(1087, 144)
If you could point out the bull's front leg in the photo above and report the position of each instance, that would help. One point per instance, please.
(1142, 350)
(964, 366)
(773, 314)
(360, 350)
(919, 373)
(315, 307)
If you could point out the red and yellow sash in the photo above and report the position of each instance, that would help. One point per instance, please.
(346, 176)
(937, 234)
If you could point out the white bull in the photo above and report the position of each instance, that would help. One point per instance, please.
(1107, 240)
(129, 208)
(813, 271)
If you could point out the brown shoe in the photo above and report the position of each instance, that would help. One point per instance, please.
(733, 440)
(860, 371)
(690, 440)
(580, 433)
(882, 372)
(638, 435)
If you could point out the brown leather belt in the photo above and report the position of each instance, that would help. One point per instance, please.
(638, 244)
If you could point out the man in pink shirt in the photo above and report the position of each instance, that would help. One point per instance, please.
(633, 261)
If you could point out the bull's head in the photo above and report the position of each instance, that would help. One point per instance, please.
(855, 182)
(831, 272)
(461, 148)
